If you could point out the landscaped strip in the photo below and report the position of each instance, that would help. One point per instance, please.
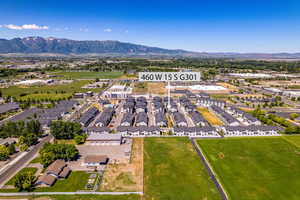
(174, 171)
(255, 168)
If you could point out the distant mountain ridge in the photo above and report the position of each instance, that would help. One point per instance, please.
(64, 46)
(51, 45)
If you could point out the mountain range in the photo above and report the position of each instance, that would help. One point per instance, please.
(51, 45)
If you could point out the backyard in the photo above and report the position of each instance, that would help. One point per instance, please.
(256, 168)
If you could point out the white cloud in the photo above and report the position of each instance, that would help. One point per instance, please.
(126, 31)
(84, 29)
(107, 30)
(1, 26)
(26, 27)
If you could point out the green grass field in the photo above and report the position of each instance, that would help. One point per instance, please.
(255, 168)
(27, 169)
(77, 197)
(47, 91)
(173, 171)
(88, 75)
(75, 181)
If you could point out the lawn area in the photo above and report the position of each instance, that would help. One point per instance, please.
(210, 117)
(50, 91)
(88, 75)
(78, 197)
(255, 168)
(173, 171)
(294, 139)
(26, 169)
(36, 160)
(75, 181)
(61, 141)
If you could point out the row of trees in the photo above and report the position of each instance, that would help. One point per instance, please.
(65, 130)
(6, 151)
(51, 152)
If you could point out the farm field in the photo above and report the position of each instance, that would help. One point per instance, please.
(174, 171)
(51, 91)
(255, 168)
(87, 75)
(126, 176)
(210, 117)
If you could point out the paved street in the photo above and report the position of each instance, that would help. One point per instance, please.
(13, 168)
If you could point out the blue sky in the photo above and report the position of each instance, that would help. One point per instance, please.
(202, 25)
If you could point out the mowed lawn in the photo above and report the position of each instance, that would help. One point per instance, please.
(75, 181)
(173, 171)
(88, 75)
(255, 168)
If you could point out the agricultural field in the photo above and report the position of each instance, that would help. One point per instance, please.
(255, 168)
(210, 117)
(174, 171)
(87, 75)
(126, 176)
(49, 91)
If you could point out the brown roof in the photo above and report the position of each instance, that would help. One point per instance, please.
(56, 167)
(47, 179)
(65, 172)
(95, 159)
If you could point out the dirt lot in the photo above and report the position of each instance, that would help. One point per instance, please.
(210, 117)
(229, 86)
(157, 88)
(126, 177)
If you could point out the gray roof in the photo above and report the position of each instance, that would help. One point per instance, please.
(106, 137)
(8, 107)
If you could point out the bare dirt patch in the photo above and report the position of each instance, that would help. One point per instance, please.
(157, 88)
(126, 176)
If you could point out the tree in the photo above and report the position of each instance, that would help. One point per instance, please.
(51, 152)
(65, 130)
(24, 181)
(293, 116)
(80, 139)
(4, 152)
(11, 149)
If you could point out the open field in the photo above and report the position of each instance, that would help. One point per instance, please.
(87, 75)
(174, 171)
(27, 169)
(77, 197)
(210, 117)
(157, 88)
(44, 96)
(228, 85)
(126, 176)
(293, 139)
(255, 168)
(140, 88)
(49, 90)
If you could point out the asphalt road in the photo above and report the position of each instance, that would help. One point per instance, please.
(11, 170)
